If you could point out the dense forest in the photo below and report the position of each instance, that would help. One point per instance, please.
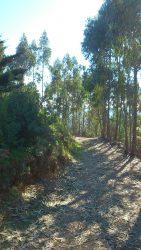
(40, 114)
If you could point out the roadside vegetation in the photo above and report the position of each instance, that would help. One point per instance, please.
(44, 106)
(56, 190)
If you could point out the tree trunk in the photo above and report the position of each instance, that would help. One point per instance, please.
(83, 123)
(126, 129)
(130, 128)
(134, 128)
(104, 120)
(42, 80)
(108, 121)
(33, 74)
(117, 121)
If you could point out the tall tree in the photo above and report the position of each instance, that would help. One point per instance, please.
(10, 76)
(34, 49)
(65, 93)
(26, 58)
(44, 53)
(112, 44)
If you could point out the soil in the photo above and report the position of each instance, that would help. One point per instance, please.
(94, 204)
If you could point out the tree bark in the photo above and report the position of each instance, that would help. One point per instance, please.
(134, 128)
(117, 120)
(108, 121)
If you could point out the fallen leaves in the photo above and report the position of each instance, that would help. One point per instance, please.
(95, 204)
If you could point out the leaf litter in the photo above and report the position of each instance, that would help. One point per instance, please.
(95, 204)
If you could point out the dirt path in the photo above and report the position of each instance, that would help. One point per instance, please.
(94, 205)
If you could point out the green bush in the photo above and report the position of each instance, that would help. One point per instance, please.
(20, 128)
(30, 138)
(23, 123)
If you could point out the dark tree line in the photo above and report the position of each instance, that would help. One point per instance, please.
(113, 46)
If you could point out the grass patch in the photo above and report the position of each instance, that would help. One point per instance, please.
(76, 150)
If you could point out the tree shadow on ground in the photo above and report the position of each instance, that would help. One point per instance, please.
(134, 239)
(88, 211)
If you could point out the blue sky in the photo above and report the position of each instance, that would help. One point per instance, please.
(64, 21)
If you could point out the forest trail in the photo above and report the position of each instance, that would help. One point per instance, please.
(95, 204)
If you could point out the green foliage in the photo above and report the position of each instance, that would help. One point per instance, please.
(44, 53)
(26, 58)
(34, 136)
(30, 137)
(37, 131)
(44, 50)
(75, 149)
(20, 128)
(11, 76)
(22, 120)
(6, 172)
(112, 45)
(61, 136)
(65, 94)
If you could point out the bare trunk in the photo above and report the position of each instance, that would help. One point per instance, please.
(134, 129)
(42, 80)
(83, 123)
(104, 121)
(117, 121)
(126, 129)
(130, 128)
(108, 122)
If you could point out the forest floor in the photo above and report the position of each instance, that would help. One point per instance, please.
(95, 204)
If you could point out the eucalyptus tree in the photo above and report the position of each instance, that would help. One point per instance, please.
(112, 44)
(44, 53)
(130, 30)
(34, 49)
(65, 93)
(26, 58)
(72, 91)
(94, 95)
(54, 91)
(96, 47)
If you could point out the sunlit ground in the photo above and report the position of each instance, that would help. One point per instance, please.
(94, 205)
